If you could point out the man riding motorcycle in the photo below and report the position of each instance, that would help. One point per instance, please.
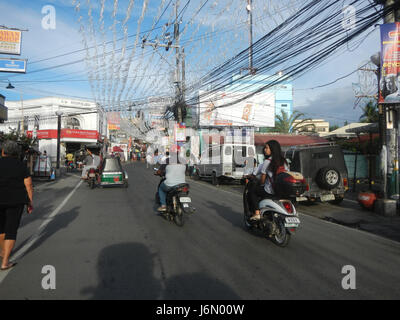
(174, 173)
(92, 160)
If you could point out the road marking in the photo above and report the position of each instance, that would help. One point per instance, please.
(20, 253)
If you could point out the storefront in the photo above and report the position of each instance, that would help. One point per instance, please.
(82, 123)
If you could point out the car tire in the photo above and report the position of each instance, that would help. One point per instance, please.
(328, 178)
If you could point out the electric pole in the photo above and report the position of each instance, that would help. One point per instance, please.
(178, 82)
(250, 22)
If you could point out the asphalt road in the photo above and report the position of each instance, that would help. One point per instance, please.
(109, 243)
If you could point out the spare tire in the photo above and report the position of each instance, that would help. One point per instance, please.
(328, 178)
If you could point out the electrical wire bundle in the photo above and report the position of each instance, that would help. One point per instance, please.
(305, 40)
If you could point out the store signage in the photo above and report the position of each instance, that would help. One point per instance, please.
(13, 65)
(10, 41)
(66, 133)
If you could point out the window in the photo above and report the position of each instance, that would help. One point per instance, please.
(73, 123)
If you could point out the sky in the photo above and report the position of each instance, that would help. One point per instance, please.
(210, 35)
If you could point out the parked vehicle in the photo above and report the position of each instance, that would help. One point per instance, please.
(43, 168)
(112, 173)
(220, 162)
(324, 169)
(279, 218)
(178, 202)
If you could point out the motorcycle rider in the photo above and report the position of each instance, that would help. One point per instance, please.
(264, 188)
(174, 172)
(92, 160)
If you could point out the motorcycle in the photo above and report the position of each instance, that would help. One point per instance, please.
(93, 176)
(70, 166)
(279, 218)
(178, 202)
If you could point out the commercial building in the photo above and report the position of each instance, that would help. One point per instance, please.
(319, 126)
(82, 122)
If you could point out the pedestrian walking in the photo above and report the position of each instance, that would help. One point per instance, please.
(15, 192)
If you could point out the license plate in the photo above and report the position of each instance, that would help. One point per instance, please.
(92, 175)
(298, 199)
(327, 197)
(185, 199)
(292, 222)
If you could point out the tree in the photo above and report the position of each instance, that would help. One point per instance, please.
(370, 113)
(286, 124)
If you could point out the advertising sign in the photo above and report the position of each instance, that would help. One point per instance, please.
(390, 63)
(10, 41)
(114, 120)
(180, 132)
(255, 111)
(12, 65)
(66, 133)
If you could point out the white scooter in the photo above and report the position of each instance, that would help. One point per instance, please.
(279, 219)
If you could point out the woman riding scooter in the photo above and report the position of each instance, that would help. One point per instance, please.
(264, 189)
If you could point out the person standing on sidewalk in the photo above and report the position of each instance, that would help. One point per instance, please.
(15, 192)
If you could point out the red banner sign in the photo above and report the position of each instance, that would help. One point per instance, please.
(66, 133)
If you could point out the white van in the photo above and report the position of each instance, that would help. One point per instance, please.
(224, 162)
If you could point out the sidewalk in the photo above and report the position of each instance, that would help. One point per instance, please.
(350, 214)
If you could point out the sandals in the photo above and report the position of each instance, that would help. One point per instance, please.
(255, 217)
(10, 265)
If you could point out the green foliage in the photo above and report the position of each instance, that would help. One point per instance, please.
(370, 113)
(286, 124)
(24, 141)
(365, 147)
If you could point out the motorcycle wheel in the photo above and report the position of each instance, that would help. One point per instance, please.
(178, 216)
(280, 237)
(91, 183)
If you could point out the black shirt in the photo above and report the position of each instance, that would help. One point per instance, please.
(12, 187)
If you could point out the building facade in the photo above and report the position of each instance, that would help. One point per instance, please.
(82, 122)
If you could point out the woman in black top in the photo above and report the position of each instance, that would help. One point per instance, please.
(15, 191)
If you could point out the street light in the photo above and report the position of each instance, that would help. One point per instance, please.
(59, 114)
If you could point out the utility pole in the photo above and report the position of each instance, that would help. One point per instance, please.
(249, 8)
(178, 82)
(388, 123)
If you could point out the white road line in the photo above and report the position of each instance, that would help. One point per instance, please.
(20, 253)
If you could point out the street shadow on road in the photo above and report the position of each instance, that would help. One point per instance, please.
(235, 217)
(197, 286)
(125, 271)
(59, 222)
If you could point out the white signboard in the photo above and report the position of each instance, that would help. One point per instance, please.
(256, 111)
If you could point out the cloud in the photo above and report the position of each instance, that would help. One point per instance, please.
(335, 105)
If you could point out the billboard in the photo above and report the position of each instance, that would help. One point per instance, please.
(255, 111)
(390, 63)
(114, 120)
(12, 65)
(10, 41)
